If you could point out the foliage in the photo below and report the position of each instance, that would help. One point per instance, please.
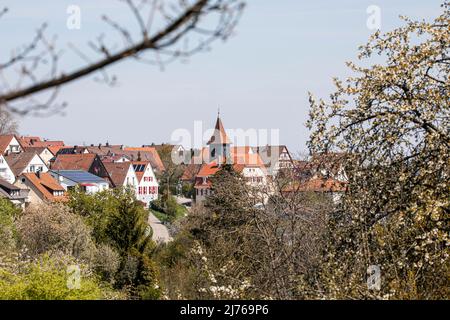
(8, 123)
(115, 216)
(167, 210)
(230, 249)
(54, 227)
(45, 279)
(392, 122)
(120, 222)
(8, 213)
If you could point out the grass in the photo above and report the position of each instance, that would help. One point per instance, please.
(181, 211)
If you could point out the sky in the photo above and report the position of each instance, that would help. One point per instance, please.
(260, 77)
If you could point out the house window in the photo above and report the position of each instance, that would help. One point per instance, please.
(32, 169)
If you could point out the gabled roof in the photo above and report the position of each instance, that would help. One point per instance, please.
(74, 161)
(115, 158)
(46, 185)
(139, 168)
(37, 150)
(5, 140)
(7, 186)
(239, 162)
(190, 172)
(19, 161)
(103, 150)
(79, 176)
(118, 172)
(28, 141)
(146, 154)
(54, 149)
(219, 136)
(270, 150)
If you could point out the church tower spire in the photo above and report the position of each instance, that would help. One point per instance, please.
(219, 143)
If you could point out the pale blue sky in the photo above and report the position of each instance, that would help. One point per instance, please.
(260, 78)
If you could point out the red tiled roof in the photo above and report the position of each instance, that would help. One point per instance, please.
(74, 161)
(28, 141)
(37, 150)
(190, 172)
(19, 161)
(54, 149)
(118, 172)
(148, 153)
(317, 185)
(5, 140)
(105, 150)
(45, 183)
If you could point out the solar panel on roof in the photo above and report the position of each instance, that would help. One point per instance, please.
(139, 167)
(79, 176)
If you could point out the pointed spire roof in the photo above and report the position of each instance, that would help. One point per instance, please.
(219, 136)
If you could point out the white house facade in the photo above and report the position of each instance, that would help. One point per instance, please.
(5, 171)
(147, 187)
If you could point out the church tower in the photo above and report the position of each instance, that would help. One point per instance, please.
(219, 144)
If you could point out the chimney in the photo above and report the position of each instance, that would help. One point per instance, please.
(99, 145)
(107, 144)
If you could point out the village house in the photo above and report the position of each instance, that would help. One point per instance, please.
(89, 183)
(122, 174)
(275, 158)
(42, 152)
(28, 141)
(5, 171)
(242, 159)
(119, 153)
(88, 162)
(42, 188)
(46, 149)
(145, 154)
(327, 186)
(9, 144)
(147, 187)
(177, 152)
(25, 162)
(15, 194)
